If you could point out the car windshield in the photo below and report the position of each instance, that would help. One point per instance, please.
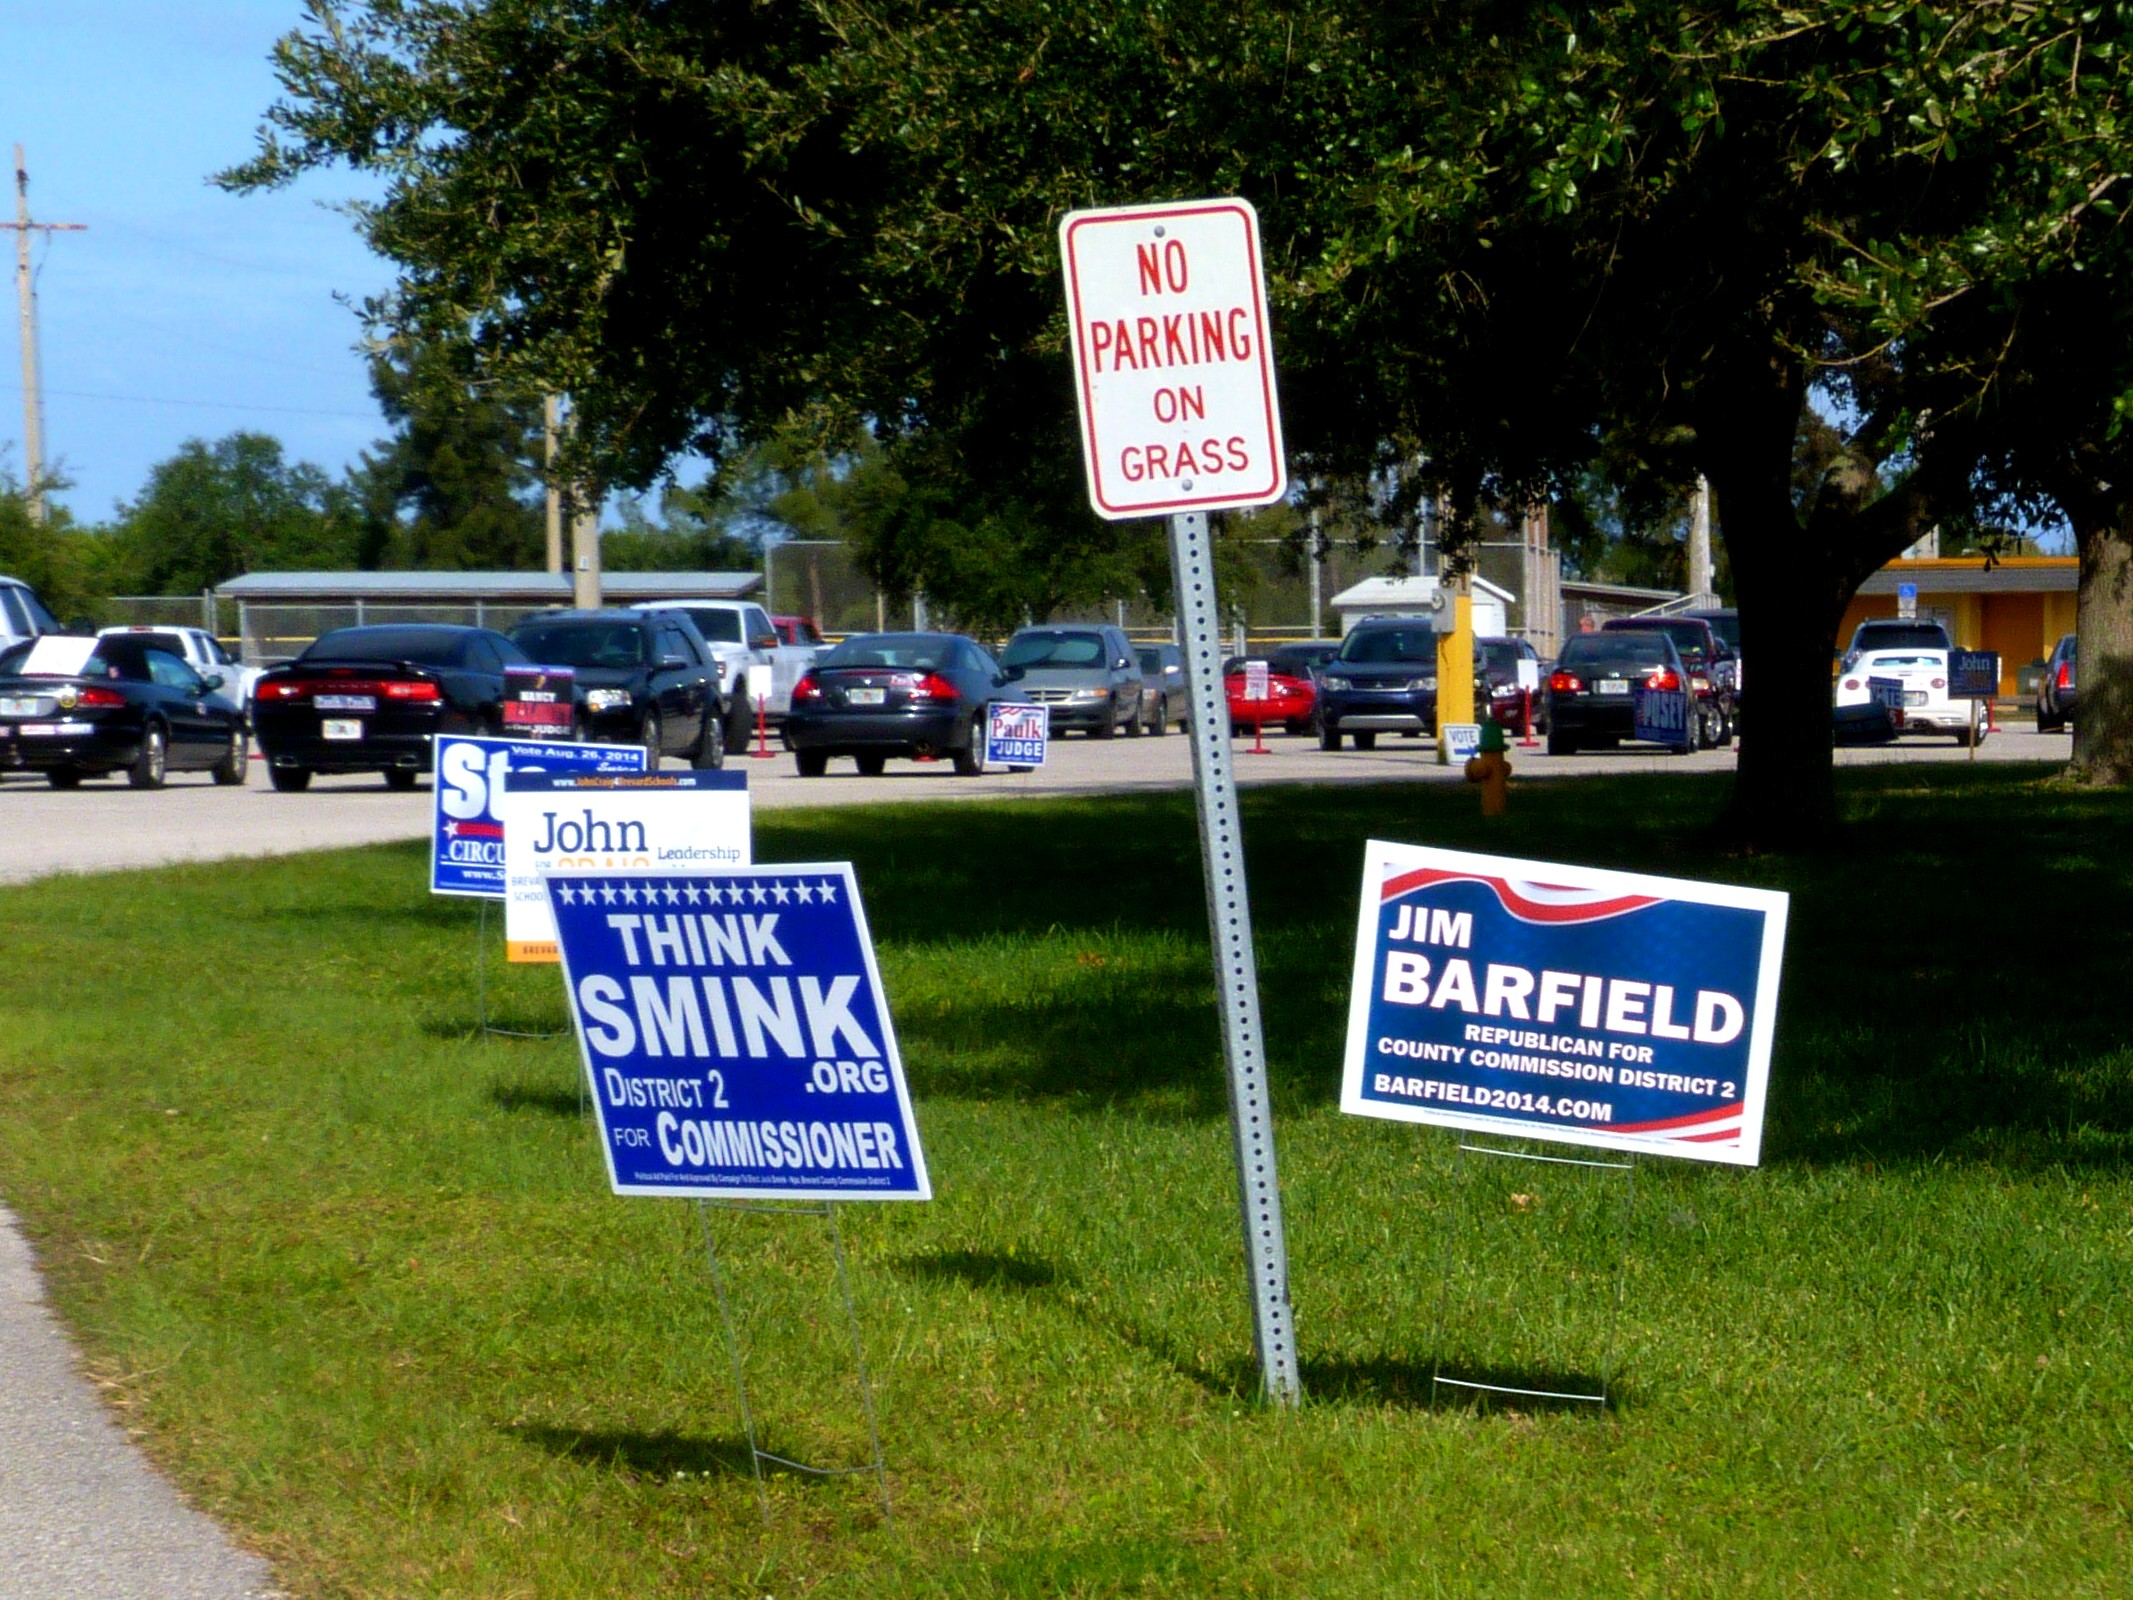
(429, 647)
(1688, 637)
(1887, 658)
(1590, 650)
(1051, 648)
(717, 626)
(1496, 655)
(161, 641)
(1366, 646)
(1902, 636)
(912, 651)
(1728, 631)
(1151, 660)
(588, 643)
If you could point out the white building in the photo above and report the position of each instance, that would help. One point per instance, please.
(1416, 597)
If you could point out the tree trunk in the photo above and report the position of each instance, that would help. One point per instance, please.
(2103, 666)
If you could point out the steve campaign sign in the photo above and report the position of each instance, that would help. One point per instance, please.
(735, 1034)
(1563, 1003)
(467, 825)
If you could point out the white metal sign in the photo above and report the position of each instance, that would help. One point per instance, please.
(1172, 359)
(1257, 680)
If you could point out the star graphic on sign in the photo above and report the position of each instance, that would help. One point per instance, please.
(712, 894)
(757, 893)
(566, 894)
(629, 894)
(806, 892)
(829, 893)
(673, 895)
(691, 893)
(780, 893)
(607, 894)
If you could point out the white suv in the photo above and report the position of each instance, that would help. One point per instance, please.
(740, 634)
(22, 614)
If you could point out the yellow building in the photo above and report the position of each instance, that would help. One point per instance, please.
(2021, 606)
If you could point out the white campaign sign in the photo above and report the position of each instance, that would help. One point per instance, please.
(1172, 358)
(1256, 680)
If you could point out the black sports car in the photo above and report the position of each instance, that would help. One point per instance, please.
(643, 677)
(73, 708)
(374, 699)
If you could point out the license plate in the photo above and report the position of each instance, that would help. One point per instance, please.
(341, 728)
(17, 706)
(867, 697)
(1914, 697)
(1611, 686)
(345, 702)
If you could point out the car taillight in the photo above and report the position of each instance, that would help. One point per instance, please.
(1663, 678)
(1940, 683)
(1566, 683)
(418, 689)
(806, 689)
(280, 689)
(2066, 675)
(934, 687)
(99, 697)
(1851, 683)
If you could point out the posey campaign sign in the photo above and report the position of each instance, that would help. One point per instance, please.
(736, 1036)
(467, 825)
(569, 822)
(1563, 1003)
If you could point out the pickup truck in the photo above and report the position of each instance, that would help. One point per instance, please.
(740, 635)
(201, 651)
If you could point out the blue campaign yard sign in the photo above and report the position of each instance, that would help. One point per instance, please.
(1973, 674)
(1660, 716)
(736, 1036)
(467, 830)
(1016, 735)
(1563, 1003)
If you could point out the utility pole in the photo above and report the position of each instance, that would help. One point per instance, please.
(551, 431)
(26, 295)
(585, 554)
(1700, 543)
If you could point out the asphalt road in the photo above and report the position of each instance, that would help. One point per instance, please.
(104, 825)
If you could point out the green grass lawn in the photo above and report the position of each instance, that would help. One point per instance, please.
(351, 1272)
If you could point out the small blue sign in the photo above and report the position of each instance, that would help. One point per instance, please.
(1660, 716)
(1973, 674)
(1564, 1003)
(736, 1036)
(1907, 599)
(467, 829)
(1016, 735)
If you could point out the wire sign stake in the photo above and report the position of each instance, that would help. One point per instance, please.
(1175, 372)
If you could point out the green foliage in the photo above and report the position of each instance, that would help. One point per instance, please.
(689, 536)
(213, 511)
(67, 565)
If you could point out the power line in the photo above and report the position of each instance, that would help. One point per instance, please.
(206, 405)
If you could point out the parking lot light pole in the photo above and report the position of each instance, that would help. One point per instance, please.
(1229, 915)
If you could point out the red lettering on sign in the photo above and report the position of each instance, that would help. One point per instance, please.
(1240, 343)
(1151, 271)
(1146, 328)
(1239, 457)
(1211, 336)
(1100, 341)
(1180, 405)
(1121, 342)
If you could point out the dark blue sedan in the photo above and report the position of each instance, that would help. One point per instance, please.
(75, 708)
(920, 696)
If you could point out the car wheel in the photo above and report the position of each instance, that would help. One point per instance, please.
(1964, 738)
(64, 777)
(970, 760)
(152, 765)
(401, 780)
(2047, 723)
(289, 780)
(740, 723)
(871, 766)
(1706, 728)
(710, 752)
(810, 763)
(651, 733)
(1161, 724)
(1105, 728)
(1725, 730)
(1562, 744)
(1134, 724)
(1329, 738)
(1366, 741)
(235, 765)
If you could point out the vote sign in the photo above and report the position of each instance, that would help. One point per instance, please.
(1016, 735)
(566, 822)
(1973, 674)
(735, 1034)
(1660, 716)
(467, 828)
(1568, 1004)
(1166, 305)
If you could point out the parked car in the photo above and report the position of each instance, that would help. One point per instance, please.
(800, 631)
(1710, 668)
(74, 707)
(739, 634)
(200, 650)
(642, 677)
(1498, 696)
(1085, 674)
(1290, 700)
(1895, 633)
(915, 696)
(374, 699)
(1725, 622)
(1592, 691)
(1383, 680)
(1163, 694)
(1304, 658)
(2057, 689)
(22, 614)
(1927, 707)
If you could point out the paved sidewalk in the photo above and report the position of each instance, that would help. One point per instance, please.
(83, 1516)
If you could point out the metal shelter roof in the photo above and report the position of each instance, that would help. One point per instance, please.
(520, 588)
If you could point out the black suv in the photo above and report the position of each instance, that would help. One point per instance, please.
(641, 677)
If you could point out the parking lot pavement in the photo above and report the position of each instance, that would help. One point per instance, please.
(104, 826)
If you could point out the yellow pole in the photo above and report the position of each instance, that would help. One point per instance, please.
(1455, 661)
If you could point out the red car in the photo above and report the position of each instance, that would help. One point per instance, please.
(1290, 701)
(797, 630)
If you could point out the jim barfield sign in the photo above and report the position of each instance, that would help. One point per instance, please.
(1563, 1003)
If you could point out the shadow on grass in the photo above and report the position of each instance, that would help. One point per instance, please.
(541, 1101)
(980, 1269)
(644, 1455)
(1408, 1383)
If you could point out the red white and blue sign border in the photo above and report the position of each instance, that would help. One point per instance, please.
(1550, 894)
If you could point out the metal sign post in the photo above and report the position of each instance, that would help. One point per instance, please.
(1229, 916)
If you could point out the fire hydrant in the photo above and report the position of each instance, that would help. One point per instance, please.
(1491, 768)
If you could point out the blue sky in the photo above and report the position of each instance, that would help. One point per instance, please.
(183, 312)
